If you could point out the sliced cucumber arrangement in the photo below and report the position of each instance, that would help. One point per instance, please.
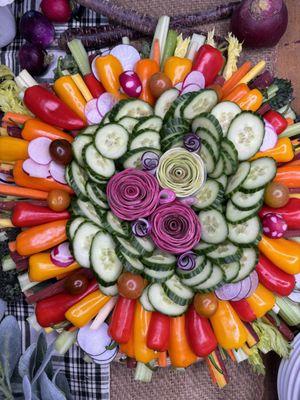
(111, 141)
(162, 303)
(199, 102)
(214, 226)
(225, 112)
(82, 242)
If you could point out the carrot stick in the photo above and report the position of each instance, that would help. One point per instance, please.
(235, 78)
(10, 190)
(162, 359)
(12, 247)
(290, 121)
(211, 371)
(156, 51)
(230, 353)
(17, 119)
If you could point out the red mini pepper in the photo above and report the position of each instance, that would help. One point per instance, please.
(121, 323)
(209, 61)
(290, 213)
(95, 87)
(50, 109)
(274, 278)
(200, 334)
(51, 311)
(159, 332)
(26, 214)
(278, 122)
(243, 309)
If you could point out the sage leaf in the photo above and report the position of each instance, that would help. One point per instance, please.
(60, 380)
(3, 306)
(26, 361)
(27, 388)
(48, 389)
(10, 345)
(43, 366)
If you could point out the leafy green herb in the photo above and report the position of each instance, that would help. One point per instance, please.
(256, 361)
(145, 49)
(66, 63)
(279, 94)
(9, 92)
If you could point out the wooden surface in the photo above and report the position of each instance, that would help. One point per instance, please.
(288, 59)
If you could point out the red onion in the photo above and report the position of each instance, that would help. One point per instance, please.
(141, 227)
(192, 142)
(132, 194)
(166, 196)
(150, 160)
(187, 261)
(175, 228)
(61, 255)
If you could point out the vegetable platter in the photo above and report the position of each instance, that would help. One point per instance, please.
(150, 206)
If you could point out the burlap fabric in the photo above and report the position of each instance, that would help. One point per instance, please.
(195, 382)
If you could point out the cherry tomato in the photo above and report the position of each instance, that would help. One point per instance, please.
(130, 285)
(159, 83)
(58, 200)
(205, 304)
(276, 195)
(76, 283)
(61, 151)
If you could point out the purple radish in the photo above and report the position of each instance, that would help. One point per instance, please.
(36, 170)
(194, 77)
(179, 86)
(270, 138)
(91, 112)
(94, 69)
(190, 88)
(130, 83)
(93, 341)
(107, 357)
(105, 103)
(274, 225)
(245, 289)
(254, 282)
(127, 55)
(57, 171)
(61, 255)
(38, 150)
(228, 291)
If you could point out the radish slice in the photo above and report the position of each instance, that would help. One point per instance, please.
(38, 150)
(194, 77)
(254, 282)
(190, 88)
(179, 86)
(270, 138)
(245, 289)
(105, 103)
(106, 357)
(103, 313)
(61, 255)
(127, 55)
(57, 171)
(228, 291)
(94, 69)
(91, 112)
(35, 170)
(94, 342)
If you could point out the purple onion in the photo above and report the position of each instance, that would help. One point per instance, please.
(141, 227)
(150, 160)
(187, 261)
(166, 196)
(61, 255)
(191, 142)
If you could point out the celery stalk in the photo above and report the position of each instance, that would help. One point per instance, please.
(291, 131)
(65, 341)
(80, 55)
(289, 311)
(143, 373)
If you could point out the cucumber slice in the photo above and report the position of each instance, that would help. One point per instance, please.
(89, 130)
(104, 261)
(237, 216)
(162, 303)
(153, 123)
(186, 274)
(246, 132)
(229, 149)
(247, 201)
(94, 198)
(236, 181)
(177, 108)
(128, 123)
(177, 292)
(248, 262)
(89, 211)
(157, 276)
(111, 290)
(144, 300)
(223, 180)
(200, 102)
(127, 247)
(78, 145)
(226, 252)
(204, 248)
(211, 192)
(215, 279)
(132, 159)
(133, 108)
(160, 261)
(99, 192)
(225, 112)
(82, 242)
(97, 164)
(146, 139)
(144, 244)
(165, 101)
(219, 169)
(229, 165)
(111, 141)
(96, 179)
(77, 179)
(115, 226)
(202, 275)
(214, 226)
(210, 123)
(207, 155)
(130, 263)
(230, 270)
(262, 171)
(207, 137)
(174, 127)
(245, 232)
(73, 225)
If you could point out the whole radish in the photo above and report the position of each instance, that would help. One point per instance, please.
(57, 10)
(274, 225)
(130, 83)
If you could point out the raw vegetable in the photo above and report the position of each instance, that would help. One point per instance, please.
(57, 10)
(251, 101)
(121, 324)
(170, 46)
(109, 69)
(145, 68)
(283, 151)
(10, 290)
(289, 310)
(34, 59)
(243, 310)
(9, 93)
(130, 83)
(10, 190)
(177, 68)
(279, 93)
(237, 93)
(260, 24)
(141, 324)
(233, 52)
(41, 268)
(209, 61)
(235, 78)
(181, 46)
(278, 122)
(13, 149)
(160, 34)
(127, 55)
(273, 225)
(36, 29)
(58, 200)
(289, 211)
(26, 214)
(261, 301)
(289, 176)
(33, 128)
(159, 332)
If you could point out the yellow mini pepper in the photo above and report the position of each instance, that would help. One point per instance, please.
(177, 68)
(109, 69)
(228, 328)
(282, 152)
(13, 149)
(42, 268)
(128, 348)
(251, 101)
(261, 301)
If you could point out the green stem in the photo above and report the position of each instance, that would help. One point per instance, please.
(291, 131)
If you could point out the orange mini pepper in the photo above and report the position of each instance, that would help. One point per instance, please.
(86, 309)
(288, 176)
(34, 128)
(285, 254)
(179, 350)
(282, 152)
(42, 237)
(177, 68)
(237, 93)
(13, 149)
(128, 348)
(42, 268)
(261, 301)
(145, 68)
(251, 101)
(109, 69)
(228, 328)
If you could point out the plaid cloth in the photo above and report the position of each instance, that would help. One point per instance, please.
(87, 380)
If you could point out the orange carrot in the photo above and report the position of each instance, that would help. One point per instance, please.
(16, 119)
(156, 51)
(10, 190)
(162, 359)
(235, 78)
(290, 121)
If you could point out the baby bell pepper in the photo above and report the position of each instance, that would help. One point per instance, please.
(237, 93)
(274, 278)
(50, 109)
(180, 352)
(228, 328)
(288, 176)
(282, 152)
(159, 332)
(128, 348)
(177, 68)
(290, 212)
(13, 149)
(278, 122)
(251, 101)
(209, 61)
(109, 69)
(66, 89)
(42, 237)
(95, 87)
(261, 301)
(243, 310)
(33, 128)
(145, 68)
(26, 214)
(285, 254)
(86, 309)
(41, 268)
(121, 324)
(51, 311)
(141, 326)
(199, 332)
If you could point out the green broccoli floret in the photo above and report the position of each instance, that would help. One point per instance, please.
(279, 93)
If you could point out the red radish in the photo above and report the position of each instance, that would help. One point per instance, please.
(107, 357)
(254, 282)
(179, 86)
(127, 55)
(57, 171)
(245, 289)
(36, 170)
(38, 150)
(56, 10)
(61, 255)
(194, 77)
(91, 112)
(93, 341)
(105, 103)
(270, 138)
(190, 88)
(274, 225)
(93, 67)
(228, 291)
(130, 83)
